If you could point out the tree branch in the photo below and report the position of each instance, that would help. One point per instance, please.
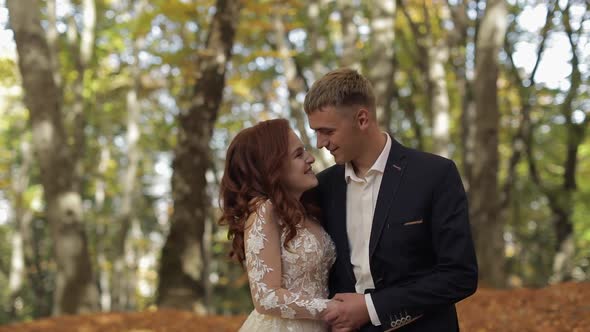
(524, 128)
(415, 31)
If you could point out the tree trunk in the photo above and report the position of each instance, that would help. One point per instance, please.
(564, 245)
(181, 266)
(295, 86)
(82, 50)
(317, 41)
(52, 42)
(407, 102)
(349, 31)
(381, 60)
(75, 290)
(439, 99)
(129, 278)
(22, 236)
(101, 228)
(458, 41)
(39, 273)
(128, 201)
(122, 297)
(17, 265)
(483, 194)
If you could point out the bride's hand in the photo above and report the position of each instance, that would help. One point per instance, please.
(334, 306)
(330, 314)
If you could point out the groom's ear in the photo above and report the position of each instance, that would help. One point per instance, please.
(362, 118)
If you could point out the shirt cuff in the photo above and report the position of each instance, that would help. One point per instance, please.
(372, 312)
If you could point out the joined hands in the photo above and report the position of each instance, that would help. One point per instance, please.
(346, 312)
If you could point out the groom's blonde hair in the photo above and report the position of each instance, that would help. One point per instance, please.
(340, 87)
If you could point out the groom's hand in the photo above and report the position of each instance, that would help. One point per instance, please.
(350, 313)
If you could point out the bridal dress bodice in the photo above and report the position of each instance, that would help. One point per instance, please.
(289, 286)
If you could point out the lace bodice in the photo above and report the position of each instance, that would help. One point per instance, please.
(293, 282)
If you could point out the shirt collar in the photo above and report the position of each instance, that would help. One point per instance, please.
(378, 166)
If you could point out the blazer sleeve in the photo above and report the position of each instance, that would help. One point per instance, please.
(454, 277)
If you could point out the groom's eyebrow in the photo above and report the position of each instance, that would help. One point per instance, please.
(297, 150)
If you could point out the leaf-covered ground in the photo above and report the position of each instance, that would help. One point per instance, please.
(564, 307)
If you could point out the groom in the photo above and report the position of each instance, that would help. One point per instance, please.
(398, 218)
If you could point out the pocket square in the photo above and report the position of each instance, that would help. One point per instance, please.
(415, 222)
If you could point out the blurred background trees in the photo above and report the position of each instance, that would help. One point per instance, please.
(115, 117)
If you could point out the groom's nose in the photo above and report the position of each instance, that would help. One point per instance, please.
(321, 141)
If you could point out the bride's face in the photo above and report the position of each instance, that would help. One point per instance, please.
(297, 173)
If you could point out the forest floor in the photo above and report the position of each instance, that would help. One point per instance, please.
(563, 307)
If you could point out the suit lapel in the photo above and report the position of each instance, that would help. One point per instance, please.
(339, 229)
(392, 175)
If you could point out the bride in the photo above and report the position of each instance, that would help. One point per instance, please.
(285, 251)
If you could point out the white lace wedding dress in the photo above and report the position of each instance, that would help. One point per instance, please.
(289, 287)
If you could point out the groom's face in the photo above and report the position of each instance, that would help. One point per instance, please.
(336, 131)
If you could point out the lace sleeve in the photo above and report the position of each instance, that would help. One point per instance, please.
(263, 263)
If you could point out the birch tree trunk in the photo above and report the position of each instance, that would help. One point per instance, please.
(123, 293)
(437, 54)
(75, 290)
(101, 228)
(181, 266)
(439, 99)
(483, 194)
(22, 236)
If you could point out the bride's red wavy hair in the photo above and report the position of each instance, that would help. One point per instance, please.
(253, 165)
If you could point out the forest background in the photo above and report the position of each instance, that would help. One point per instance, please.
(115, 118)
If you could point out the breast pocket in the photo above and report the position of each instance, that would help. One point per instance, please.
(414, 236)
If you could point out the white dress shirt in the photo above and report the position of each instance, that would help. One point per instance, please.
(361, 199)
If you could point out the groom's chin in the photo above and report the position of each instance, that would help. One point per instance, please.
(339, 161)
